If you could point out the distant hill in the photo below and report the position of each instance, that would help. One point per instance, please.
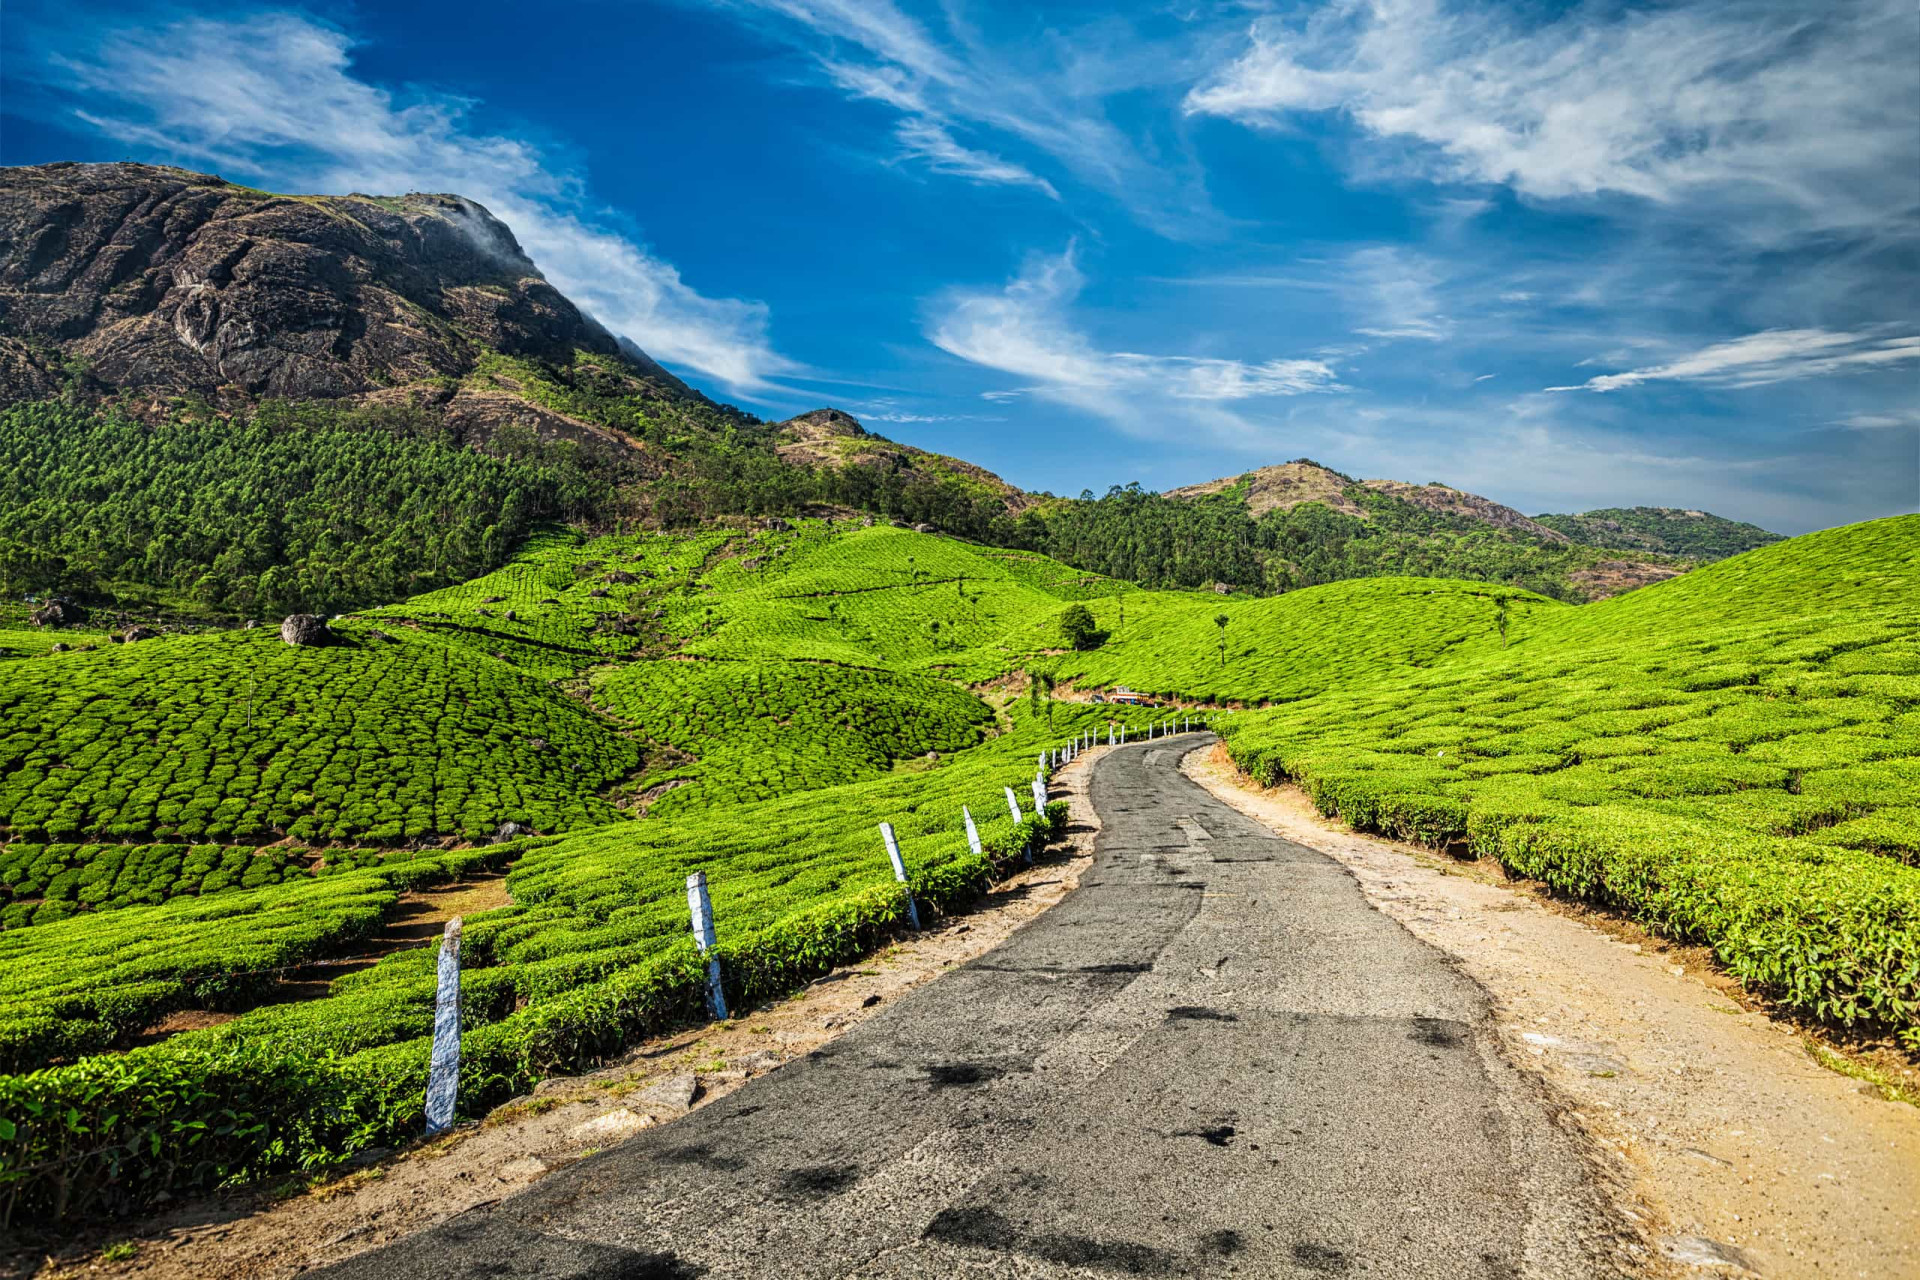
(833, 439)
(320, 369)
(1392, 526)
(1698, 535)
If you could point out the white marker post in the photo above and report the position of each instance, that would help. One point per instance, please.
(1110, 736)
(1039, 796)
(700, 906)
(1013, 805)
(900, 873)
(443, 1069)
(973, 832)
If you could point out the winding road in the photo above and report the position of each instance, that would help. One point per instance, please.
(1212, 1058)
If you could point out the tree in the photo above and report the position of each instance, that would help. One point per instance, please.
(1220, 621)
(1040, 693)
(1077, 628)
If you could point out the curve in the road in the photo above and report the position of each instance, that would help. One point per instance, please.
(1212, 1058)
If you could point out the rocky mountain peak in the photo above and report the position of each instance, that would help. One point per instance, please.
(177, 283)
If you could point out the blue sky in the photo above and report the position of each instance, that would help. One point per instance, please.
(1566, 257)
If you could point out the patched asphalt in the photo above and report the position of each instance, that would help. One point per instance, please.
(1212, 1058)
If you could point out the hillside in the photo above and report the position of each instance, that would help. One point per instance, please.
(1727, 756)
(835, 440)
(167, 283)
(1670, 530)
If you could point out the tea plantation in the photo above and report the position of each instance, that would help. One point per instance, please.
(1731, 756)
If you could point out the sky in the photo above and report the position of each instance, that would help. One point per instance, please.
(1564, 256)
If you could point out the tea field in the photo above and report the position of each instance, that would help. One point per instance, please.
(1731, 756)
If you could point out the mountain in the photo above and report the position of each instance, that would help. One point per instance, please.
(835, 440)
(383, 394)
(1697, 535)
(162, 283)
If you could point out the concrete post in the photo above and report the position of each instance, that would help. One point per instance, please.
(700, 907)
(900, 873)
(443, 1070)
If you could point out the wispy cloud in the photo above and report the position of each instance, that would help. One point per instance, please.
(948, 81)
(1744, 99)
(1777, 355)
(1397, 291)
(1024, 329)
(275, 97)
(930, 142)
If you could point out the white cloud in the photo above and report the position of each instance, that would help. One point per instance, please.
(1806, 109)
(274, 97)
(1046, 94)
(1397, 288)
(1759, 359)
(1024, 329)
(932, 143)
(1908, 418)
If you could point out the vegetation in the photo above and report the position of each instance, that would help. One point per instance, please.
(1693, 534)
(1731, 757)
(285, 509)
(192, 819)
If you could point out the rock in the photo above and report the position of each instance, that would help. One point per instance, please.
(1223, 588)
(924, 528)
(60, 647)
(622, 578)
(675, 1092)
(538, 744)
(522, 1169)
(483, 613)
(508, 831)
(305, 629)
(86, 648)
(249, 625)
(378, 635)
(1699, 1251)
(760, 1060)
(512, 616)
(179, 283)
(754, 563)
(933, 757)
(774, 524)
(614, 1126)
(58, 613)
(494, 600)
(140, 633)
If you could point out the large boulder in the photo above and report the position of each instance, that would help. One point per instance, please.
(305, 629)
(140, 633)
(58, 613)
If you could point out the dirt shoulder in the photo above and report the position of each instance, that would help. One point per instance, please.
(255, 1237)
(1748, 1155)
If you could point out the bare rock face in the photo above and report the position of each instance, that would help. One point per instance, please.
(140, 633)
(305, 629)
(58, 613)
(166, 281)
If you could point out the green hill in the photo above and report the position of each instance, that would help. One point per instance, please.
(1697, 535)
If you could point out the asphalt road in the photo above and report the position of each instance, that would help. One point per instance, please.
(1213, 1058)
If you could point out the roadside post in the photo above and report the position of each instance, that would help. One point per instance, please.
(1039, 796)
(443, 1070)
(700, 907)
(973, 832)
(1013, 805)
(900, 872)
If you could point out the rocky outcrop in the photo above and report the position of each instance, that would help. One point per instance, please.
(306, 630)
(1282, 488)
(58, 613)
(161, 280)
